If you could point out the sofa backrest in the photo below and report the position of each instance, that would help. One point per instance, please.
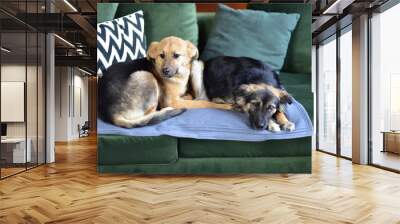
(205, 22)
(298, 57)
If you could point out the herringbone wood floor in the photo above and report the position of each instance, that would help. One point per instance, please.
(71, 191)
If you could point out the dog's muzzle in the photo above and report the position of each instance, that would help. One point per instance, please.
(167, 72)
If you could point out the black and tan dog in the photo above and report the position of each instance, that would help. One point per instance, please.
(152, 89)
(252, 87)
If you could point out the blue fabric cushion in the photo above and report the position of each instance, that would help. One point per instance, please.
(218, 125)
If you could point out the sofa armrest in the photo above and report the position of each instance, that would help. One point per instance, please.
(299, 86)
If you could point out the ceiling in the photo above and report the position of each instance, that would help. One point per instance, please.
(331, 15)
(75, 20)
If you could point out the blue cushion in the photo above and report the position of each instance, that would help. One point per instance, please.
(216, 125)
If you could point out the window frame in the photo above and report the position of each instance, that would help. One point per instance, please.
(381, 9)
(334, 37)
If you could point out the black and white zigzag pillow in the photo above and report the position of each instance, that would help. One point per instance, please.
(120, 40)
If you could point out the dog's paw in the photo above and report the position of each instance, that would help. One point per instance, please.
(273, 127)
(289, 126)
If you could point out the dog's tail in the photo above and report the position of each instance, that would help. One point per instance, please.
(152, 118)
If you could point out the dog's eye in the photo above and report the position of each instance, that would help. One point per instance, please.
(176, 55)
(162, 55)
(271, 107)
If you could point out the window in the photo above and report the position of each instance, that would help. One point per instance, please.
(22, 101)
(346, 92)
(326, 60)
(385, 89)
(334, 106)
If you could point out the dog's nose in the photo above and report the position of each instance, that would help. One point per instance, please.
(166, 71)
(261, 125)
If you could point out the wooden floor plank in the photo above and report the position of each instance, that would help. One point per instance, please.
(71, 191)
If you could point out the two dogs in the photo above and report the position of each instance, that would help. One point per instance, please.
(150, 90)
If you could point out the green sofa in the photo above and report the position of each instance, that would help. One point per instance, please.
(170, 155)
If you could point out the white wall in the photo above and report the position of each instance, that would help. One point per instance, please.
(16, 73)
(71, 102)
(62, 81)
(33, 127)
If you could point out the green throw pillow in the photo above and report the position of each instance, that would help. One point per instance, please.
(165, 19)
(250, 33)
(106, 11)
(298, 56)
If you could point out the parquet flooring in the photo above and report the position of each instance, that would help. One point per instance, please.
(71, 191)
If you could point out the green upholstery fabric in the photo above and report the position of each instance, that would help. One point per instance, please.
(298, 58)
(299, 86)
(194, 148)
(298, 164)
(114, 150)
(205, 22)
(165, 19)
(255, 34)
(106, 11)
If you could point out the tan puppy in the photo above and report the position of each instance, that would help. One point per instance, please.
(174, 60)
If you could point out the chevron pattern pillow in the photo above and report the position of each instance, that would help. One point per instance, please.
(120, 40)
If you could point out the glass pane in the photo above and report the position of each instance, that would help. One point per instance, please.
(346, 93)
(385, 84)
(327, 96)
(13, 86)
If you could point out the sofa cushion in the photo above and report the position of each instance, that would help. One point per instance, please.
(207, 123)
(250, 33)
(165, 19)
(114, 149)
(194, 148)
(298, 58)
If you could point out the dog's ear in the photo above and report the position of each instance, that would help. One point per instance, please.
(243, 90)
(241, 93)
(193, 52)
(152, 51)
(285, 97)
